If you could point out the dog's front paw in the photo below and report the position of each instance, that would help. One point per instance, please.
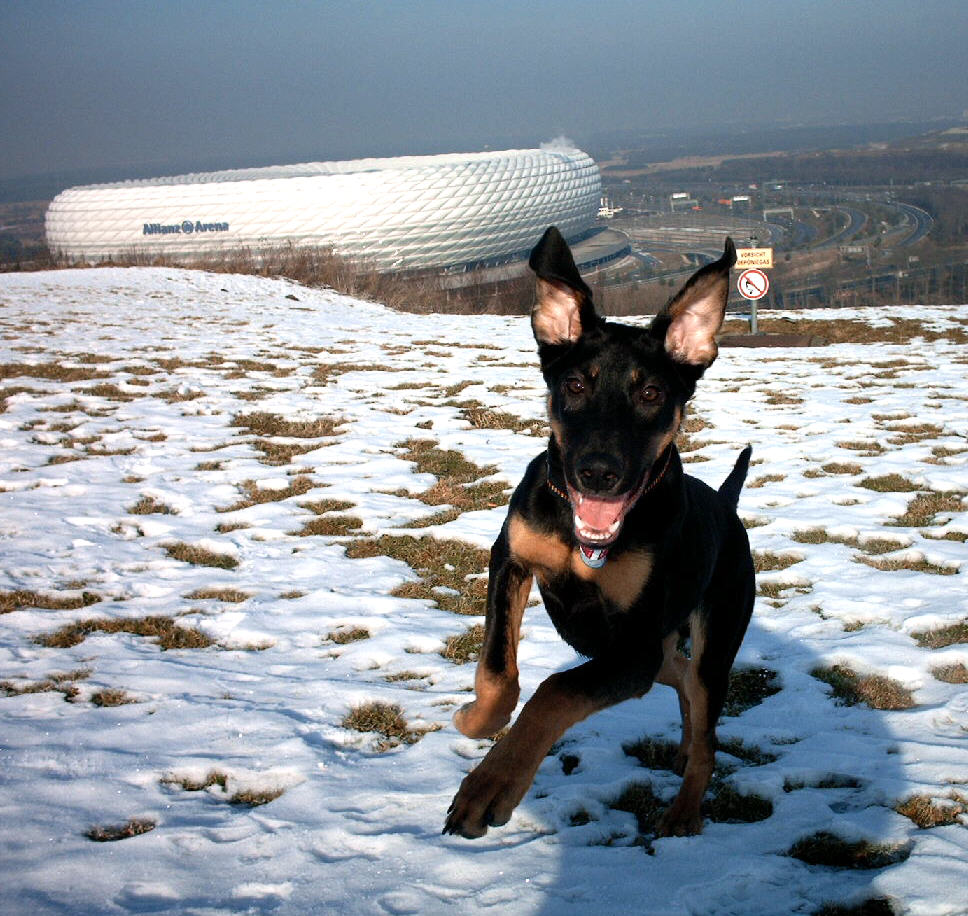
(475, 721)
(678, 821)
(487, 797)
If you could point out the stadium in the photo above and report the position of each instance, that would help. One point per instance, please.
(405, 213)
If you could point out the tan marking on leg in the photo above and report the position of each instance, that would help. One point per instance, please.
(536, 550)
(673, 674)
(683, 817)
(496, 693)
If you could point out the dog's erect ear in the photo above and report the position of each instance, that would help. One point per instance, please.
(694, 316)
(564, 309)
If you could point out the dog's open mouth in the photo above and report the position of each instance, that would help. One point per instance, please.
(599, 520)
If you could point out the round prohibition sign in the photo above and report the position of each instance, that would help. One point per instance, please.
(753, 284)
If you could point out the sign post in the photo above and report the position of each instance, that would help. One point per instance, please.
(753, 285)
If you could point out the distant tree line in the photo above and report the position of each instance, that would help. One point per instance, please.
(949, 207)
(864, 168)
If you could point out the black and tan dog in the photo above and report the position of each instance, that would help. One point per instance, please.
(630, 553)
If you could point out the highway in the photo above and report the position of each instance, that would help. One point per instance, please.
(922, 222)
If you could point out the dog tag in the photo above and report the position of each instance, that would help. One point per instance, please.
(593, 557)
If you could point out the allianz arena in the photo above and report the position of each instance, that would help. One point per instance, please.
(405, 213)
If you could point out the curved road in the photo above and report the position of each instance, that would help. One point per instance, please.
(922, 220)
(856, 220)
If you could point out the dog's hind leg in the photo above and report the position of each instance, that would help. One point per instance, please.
(715, 635)
(496, 680)
(683, 817)
(673, 674)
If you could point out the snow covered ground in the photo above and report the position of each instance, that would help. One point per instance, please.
(127, 437)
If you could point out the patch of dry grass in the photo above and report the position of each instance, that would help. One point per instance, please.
(906, 435)
(727, 805)
(840, 467)
(178, 395)
(52, 372)
(190, 784)
(247, 798)
(344, 635)
(764, 561)
(14, 601)
(111, 696)
(928, 812)
(874, 690)
(870, 545)
(443, 566)
(276, 454)
(261, 423)
(867, 448)
(910, 564)
(63, 683)
(748, 687)
(444, 464)
(200, 556)
(724, 804)
(384, 719)
(464, 647)
(955, 673)
(12, 391)
(640, 800)
(763, 480)
(750, 754)
(941, 637)
(462, 497)
(323, 373)
(481, 417)
(322, 506)
(107, 390)
(653, 753)
(828, 849)
(162, 630)
(254, 798)
(229, 595)
(114, 832)
(889, 483)
(405, 676)
(330, 526)
(148, 505)
(254, 495)
(925, 507)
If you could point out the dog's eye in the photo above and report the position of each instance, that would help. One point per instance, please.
(650, 394)
(574, 385)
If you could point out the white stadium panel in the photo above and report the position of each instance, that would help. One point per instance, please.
(403, 213)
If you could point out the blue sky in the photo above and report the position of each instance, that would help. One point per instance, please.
(119, 82)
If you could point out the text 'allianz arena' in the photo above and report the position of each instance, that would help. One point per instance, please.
(405, 213)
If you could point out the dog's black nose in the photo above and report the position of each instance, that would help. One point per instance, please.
(598, 473)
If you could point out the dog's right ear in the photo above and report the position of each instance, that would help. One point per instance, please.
(564, 310)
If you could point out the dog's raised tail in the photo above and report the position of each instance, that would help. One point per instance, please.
(732, 486)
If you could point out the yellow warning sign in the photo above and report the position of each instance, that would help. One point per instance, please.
(754, 257)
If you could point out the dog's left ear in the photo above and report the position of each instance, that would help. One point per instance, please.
(692, 319)
(564, 310)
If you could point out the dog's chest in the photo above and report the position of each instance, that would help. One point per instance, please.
(569, 581)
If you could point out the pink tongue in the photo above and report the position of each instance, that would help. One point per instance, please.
(599, 514)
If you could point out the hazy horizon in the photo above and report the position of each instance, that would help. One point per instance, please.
(110, 84)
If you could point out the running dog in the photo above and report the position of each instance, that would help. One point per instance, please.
(633, 557)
